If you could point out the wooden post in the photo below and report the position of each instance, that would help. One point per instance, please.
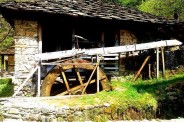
(97, 74)
(140, 69)
(2, 66)
(163, 62)
(149, 71)
(39, 51)
(39, 78)
(157, 57)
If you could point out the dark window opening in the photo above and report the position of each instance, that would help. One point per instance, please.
(56, 36)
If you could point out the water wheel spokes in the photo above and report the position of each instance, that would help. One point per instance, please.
(75, 76)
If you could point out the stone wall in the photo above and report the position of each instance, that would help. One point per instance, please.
(37, 109)
(26, 46)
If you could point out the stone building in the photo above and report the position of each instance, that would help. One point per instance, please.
(50, 25)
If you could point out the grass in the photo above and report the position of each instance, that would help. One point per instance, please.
(6, 87)
(127, 94)
(156, 87)
(139, 98)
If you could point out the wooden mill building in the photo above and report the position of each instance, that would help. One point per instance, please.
(7, 61)
(55, 25)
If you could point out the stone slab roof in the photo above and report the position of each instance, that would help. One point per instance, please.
(86, 8)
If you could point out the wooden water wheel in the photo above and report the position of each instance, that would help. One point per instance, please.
(73, 77)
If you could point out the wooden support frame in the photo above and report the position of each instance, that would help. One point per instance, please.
(157, 61)
(88, 82)
(140, 69)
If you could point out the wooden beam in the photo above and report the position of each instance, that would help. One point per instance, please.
(39, 79)
(163, 62)
(2, 65)
(79, 78)
(97, 75)
(140, 69)
(39, 51)
(28, 77)
(39, 38)
(106, 50)
(157, 57)
(149, 71)
(65, 80)
(78, 74)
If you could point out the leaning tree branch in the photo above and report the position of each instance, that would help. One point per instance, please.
(5, 36)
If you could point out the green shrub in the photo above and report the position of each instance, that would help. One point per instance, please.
(6, 87)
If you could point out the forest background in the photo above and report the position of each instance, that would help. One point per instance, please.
(168, 9)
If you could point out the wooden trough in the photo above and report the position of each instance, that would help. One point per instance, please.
(85, 72)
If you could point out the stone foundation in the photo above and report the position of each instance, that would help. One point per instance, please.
(36, 109)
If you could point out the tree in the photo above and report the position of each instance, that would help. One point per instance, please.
(164, 8)
(131, 3)
(6, 34)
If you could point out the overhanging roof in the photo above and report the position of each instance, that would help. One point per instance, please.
(85, 8)
(176, 30)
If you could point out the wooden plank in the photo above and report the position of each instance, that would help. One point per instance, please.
(106, 50)
(111, 68)
(109, 63)
(111, 59)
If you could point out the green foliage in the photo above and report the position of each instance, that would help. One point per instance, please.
(4, 29)
(164, 8)
(6, 87)
(130, 3)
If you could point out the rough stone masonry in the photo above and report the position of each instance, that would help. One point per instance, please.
(26, 46)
